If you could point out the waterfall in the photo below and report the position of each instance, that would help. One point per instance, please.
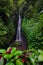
(18, 36)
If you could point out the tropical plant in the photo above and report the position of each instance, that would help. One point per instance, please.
(16, 57)
(11, 56)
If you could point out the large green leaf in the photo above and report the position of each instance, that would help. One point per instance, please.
(32, 60)
(18, 62)
(2, 51)
(8, 56)
(13, 50)
(17, 53)
(40, 58)
(10, 63)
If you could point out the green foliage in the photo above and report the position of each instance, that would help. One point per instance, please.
(30, 57)
(11, 54)
(7, 6)
(40, 57)
(34, 56)
(18, 62)
(8, 56)
(30, 8)
(14, 54)
(9, 63)
(6, 31)
(17, 53)
(3, 29)
(13, 50)
(2, 51)
(20, 2)
(33, 31)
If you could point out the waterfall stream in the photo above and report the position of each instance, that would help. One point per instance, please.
(20, 40)
(18, 36)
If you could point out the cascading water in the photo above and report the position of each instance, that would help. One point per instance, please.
(18, 36)
(20, 41)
